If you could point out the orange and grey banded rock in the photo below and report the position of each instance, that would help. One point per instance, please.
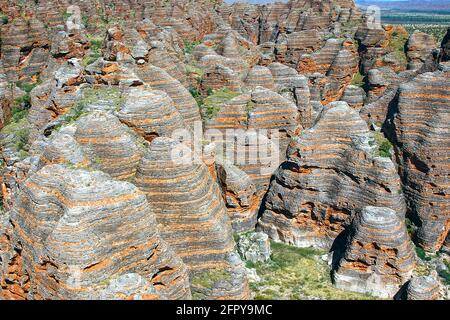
(383, 86)
(209, 62)
(332, 171)
(296, 88)
(150, 113)
(271, 121)
(158, 79)
(221, 77)
(77, 231)
(379, 256)
(259, 76)
(419, 48)
(24, 49)
(240, 196)
(354, 96)
(298, 43)
(190, 211)
(423, 288)
(422, 141)
(109, 143)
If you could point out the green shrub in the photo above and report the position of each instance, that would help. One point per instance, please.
(90, 96)
(189, 46)
(445, 274)
(4, 19)
(212, 104)
(358, 80)
(95, 45)
(195, 70)
(207, 279)
(17, 131)
(384, 145)
(422, 254)
(66, 16)
(27, 86)
(397, 44)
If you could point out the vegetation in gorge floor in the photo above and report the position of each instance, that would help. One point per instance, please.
(297, 274)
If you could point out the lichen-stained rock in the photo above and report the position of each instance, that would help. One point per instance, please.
(160, 57)
(151, 113)
(423, 288)
(259, 76)
(383, 88)
(203, 50)
(354, 96)
(422, 142)
(379, 256)
(419, 48)
(332, 170)
(254, 247)
(77, 231)
(379, 80)
(190, 211)
(320, 61)
(158, 79)
(109, 143)
(240, 196)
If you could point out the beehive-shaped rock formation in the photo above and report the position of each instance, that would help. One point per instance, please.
(354, 96)
(422, 142)
(379, 256)
(332, 170)
(423, 288)
(109, 143)
(240, 196)
(221, 77)
(260, 76)
(150, 113)
(190, 211)
(419, 48)
(265, 114)
(158, 79)
(75, 231)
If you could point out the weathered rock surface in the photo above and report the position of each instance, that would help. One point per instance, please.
(150, 113)
(421, 137)
(109, 144)
(354, 96)
(332, 171)
(419, 48)
(379, 256)
(263, 110)
(191, 212)
(254, 247)
(158, 79)
(422, 288)
(75, 231)
(240, 196)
